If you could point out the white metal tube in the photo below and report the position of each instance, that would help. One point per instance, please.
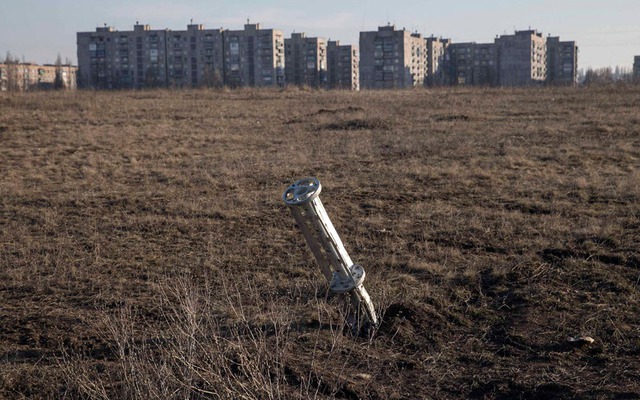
(326, 246)
(339, 259)
(334, 240)
(323, 261)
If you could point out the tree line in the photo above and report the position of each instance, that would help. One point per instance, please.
(607, 76)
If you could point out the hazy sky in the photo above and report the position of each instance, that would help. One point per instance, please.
(607, 32)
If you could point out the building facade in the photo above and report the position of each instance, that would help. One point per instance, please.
(388, 58)
(522, 59)
(562, 62)
(391, 58)
(485, 64)
(471, 64)
(26, 76)
(636, 69)
(343, 66)
(192, 58)
(254, 57)
(143, 57)
(305, 61)
(458, 64)
(436, 53)
(109, 59)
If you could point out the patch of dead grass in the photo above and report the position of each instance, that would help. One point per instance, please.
(144, 247)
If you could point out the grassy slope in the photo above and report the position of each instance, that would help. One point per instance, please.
(144, 248)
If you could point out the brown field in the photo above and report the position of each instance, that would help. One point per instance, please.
(145, 251)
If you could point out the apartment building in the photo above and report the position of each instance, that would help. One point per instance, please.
(28, 76)
(485, 64)
(436, 52)
(109, 59)
(193, 57)
(458, 63)
(343, 66)
(305, 60)
(636, 69)
(522, 58)
(388, 58)
(471, 64)
(254, 57)
(144, 57)
(391, 58)
(562, 62)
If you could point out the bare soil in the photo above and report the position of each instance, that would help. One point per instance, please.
(145, 251)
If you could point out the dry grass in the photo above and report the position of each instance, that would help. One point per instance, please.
(145, 252)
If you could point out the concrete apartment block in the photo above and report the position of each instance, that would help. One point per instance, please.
(459, 63)
(194, 57)
(26, 76)
(522, 58)
(485, 64)
(471, 64)
(254, 57)
(305, 60)
(111, 59)
(391, 58)
(562, 62)
(636, 69)
(436, 49)
(136, 59)
(94, 49)
(343, 66)
(418, 60)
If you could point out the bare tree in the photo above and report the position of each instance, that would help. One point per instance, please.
(599, 76)
(59, 82)
(11, 69)
(212, 78)
(608, 75)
